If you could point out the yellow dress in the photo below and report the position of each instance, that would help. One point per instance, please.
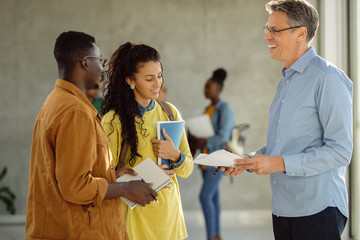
(154, 221)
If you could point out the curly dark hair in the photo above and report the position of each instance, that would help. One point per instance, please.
(118, 95)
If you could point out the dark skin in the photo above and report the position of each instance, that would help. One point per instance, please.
(212, 91)
(86, 74)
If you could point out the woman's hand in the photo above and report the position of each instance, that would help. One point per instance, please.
(165, 148)
(170, 172)
(121, 171)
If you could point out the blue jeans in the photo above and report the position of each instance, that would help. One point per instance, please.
(210, 200)
(327, 224)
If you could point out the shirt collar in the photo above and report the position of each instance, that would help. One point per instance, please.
(143, 110)
(300, 64)
(217, 105)
(70, 87)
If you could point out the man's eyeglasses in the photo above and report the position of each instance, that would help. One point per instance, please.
(275, 32)
(103, 61)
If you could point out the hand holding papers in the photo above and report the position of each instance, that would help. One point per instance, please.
(200, 126)
(220, 158)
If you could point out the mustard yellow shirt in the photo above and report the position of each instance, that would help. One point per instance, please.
(162, 221)
(70, 168)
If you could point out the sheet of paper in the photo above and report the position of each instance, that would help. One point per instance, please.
(200, 126)
(217, 158)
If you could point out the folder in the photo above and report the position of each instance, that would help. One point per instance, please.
(175, 130)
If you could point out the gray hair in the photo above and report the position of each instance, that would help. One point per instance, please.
(299, 13)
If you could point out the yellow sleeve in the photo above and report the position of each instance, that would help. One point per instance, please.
(112, 127)
(185, 169)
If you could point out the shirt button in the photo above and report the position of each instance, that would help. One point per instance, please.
(293, 174)
(274, 182)
(287, 81)
(282, 101)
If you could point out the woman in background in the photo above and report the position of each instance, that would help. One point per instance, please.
(222, 119)
(130, 115)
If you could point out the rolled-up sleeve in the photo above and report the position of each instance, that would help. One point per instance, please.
(185, 166)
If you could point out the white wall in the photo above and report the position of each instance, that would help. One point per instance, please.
(193, 38)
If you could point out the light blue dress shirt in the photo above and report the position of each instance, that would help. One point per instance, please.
(310, 125)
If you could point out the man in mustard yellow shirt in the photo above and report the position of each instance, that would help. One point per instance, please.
(73, 192)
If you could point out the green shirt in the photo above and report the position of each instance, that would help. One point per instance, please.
(97, 104)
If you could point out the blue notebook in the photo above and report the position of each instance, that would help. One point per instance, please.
(175, 130)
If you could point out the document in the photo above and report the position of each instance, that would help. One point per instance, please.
(220, 158)
(175, 130)
(151, 173)
(200, 126)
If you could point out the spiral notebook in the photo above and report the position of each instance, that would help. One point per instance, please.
(151, 173)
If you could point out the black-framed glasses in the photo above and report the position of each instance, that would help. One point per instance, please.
(103, 61)
(275, 32)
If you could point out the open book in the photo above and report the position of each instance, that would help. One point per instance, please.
(151, 173)
(175, 130)
(219, 158)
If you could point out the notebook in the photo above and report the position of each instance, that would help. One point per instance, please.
(151, 173)
(175, 130)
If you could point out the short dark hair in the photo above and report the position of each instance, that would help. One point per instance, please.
(299, 13)
(70, 47)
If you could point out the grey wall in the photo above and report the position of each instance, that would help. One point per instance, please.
(193, 37)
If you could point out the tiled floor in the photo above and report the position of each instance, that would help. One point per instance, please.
(247, 225)
(236, 225)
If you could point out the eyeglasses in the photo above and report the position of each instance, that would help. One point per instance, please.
(275, 32)
(103, 61)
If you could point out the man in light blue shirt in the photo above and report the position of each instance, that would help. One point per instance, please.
(309, 142)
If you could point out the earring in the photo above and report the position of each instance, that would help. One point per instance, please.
(132, 87)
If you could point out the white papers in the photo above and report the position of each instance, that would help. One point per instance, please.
(200, 126)
(219, 158)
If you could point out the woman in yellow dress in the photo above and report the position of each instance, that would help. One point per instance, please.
(130, 115)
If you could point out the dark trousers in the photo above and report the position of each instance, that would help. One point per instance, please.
(327, 224)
